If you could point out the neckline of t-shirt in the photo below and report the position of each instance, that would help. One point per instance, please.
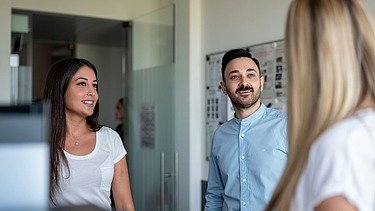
(84, 157)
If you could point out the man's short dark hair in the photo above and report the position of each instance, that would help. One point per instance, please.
(234, 54)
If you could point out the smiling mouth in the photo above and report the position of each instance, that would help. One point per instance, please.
(245, 91)
(88, 102)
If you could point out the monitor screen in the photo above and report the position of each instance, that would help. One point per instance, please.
(24, 156)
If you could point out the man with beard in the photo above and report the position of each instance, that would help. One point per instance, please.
(248, 152)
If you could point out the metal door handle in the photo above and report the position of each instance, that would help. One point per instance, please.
(175, 181)
(162, 207)
(164, 175)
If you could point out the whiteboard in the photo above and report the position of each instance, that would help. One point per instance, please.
(271, 57)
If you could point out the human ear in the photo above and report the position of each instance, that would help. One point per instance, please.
(223, 87)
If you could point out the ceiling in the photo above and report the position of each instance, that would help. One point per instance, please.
(54, 28)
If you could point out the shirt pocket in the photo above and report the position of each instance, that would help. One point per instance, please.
(107, 176)
(279, 153)
(273, 161)
(274, 155)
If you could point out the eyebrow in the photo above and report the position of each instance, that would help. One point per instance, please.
(251, 69)
(248, 70)
(233, 71)
(85, 79)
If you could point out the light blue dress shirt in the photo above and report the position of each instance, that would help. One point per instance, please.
(247, 160)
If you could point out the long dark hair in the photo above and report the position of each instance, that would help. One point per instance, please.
(57, 82)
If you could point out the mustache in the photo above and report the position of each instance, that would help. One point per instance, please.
(245, 88)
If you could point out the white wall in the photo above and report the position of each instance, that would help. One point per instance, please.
(196, 102)
(182, 111)
(5, 23)
(189, 100)
(232, 24)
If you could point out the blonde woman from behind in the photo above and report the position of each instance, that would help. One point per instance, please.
(330, 47)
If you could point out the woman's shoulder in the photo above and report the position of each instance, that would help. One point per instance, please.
(111, 143)
(351, 139)
(107, 135)
(341, 161)
(106, 130)
(350, 131)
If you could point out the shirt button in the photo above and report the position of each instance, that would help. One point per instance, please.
(242, 135)
(242, 157)
(244, 203)
(243, 180)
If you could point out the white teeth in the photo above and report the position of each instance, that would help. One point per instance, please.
(88, 102)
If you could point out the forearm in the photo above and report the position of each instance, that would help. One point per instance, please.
(121, 188)
(125, 207)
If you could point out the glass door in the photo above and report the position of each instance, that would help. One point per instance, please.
(149, 96)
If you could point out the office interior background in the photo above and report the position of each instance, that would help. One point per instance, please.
(135, 45)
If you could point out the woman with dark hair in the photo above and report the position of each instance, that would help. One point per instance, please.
(87, 159)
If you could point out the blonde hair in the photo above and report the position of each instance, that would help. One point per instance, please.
(330, 49)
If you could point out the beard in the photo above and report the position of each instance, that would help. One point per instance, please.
(241, 103)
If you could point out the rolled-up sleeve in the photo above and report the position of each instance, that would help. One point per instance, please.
(215, 187)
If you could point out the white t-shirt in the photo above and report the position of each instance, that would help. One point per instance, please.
(341, 163)
(91, 175)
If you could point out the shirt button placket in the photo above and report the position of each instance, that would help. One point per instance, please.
(243, 172)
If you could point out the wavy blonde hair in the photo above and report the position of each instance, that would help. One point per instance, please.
(330, 49)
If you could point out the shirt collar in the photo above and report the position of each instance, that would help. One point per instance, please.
(254, 116)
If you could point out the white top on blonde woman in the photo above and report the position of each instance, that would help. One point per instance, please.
(341, 163)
